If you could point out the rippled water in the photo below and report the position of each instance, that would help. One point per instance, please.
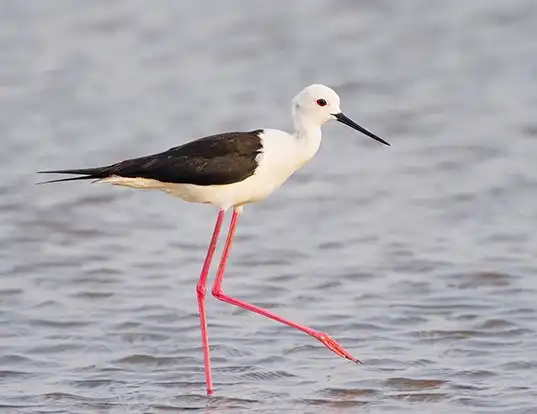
(419, 258)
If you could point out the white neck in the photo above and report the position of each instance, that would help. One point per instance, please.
(308, 133)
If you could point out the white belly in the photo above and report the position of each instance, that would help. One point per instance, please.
(254, 188)
(282, 155)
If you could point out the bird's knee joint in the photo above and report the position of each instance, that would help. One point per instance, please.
(217, 292)
(201, 291)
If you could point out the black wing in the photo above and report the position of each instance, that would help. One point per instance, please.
(216, 159)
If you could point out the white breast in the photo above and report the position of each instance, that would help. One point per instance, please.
(281, 156)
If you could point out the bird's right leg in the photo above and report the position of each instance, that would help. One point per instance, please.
(218, 293)
(201, 290)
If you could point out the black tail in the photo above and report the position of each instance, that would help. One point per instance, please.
(87, 174)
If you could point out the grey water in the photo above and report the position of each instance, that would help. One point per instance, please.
(420, 258)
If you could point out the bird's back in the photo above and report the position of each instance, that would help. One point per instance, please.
(212, 160)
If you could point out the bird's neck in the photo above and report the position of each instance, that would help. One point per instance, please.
(308, 134)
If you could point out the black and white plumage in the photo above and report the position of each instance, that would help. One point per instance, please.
(230, 169)
(214, 160)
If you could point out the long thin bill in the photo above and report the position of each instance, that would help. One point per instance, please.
(341, 117)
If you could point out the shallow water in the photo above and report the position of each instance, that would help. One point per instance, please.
(419, 258)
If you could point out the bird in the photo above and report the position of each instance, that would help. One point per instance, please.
(230, 170)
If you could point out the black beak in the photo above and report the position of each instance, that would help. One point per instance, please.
(347, 121)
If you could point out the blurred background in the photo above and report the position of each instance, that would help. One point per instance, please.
(419, 258)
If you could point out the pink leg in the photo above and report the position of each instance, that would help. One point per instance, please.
(201, 290)
(219, 294)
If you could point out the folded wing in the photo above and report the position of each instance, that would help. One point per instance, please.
(213, 160)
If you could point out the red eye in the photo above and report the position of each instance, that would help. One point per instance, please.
(321, 102)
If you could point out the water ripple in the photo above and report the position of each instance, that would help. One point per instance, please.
(420, 258)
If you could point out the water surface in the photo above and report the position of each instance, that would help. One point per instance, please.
(420, 258)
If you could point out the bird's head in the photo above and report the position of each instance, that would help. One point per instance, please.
(319, 104)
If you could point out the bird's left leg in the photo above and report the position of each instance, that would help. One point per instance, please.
(220, 295)
(201, 292)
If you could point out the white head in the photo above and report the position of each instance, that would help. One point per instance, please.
(318, 104)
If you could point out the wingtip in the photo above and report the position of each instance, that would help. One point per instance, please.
(61, 180)
(49, 172)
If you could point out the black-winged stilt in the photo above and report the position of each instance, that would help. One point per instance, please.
(230, 170)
